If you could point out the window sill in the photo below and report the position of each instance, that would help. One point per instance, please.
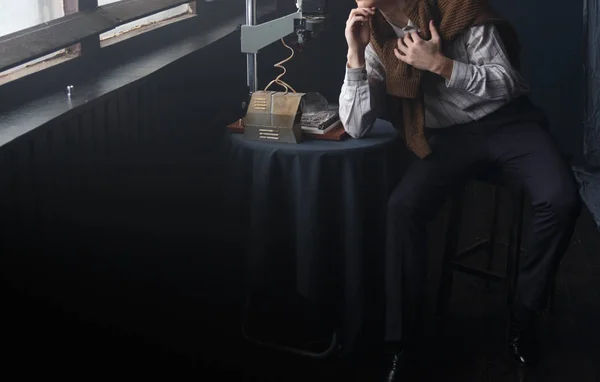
(37, 67)
(141, 30)
(22, 119)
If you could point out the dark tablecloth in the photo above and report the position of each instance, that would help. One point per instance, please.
(312, 217)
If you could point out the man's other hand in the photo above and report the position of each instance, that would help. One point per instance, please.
(422, 54)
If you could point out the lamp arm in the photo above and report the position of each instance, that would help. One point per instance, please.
(255, 37)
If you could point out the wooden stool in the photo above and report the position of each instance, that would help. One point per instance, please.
(452, 255)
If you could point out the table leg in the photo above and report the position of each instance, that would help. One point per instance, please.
(333, 347)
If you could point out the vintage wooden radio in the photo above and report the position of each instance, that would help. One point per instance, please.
(274, 117)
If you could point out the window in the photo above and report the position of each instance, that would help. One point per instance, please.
(16, 15)
(19, 15)
(144, 24)
(22, 14)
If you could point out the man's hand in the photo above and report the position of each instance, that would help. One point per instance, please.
(358, 35)
(424, 55)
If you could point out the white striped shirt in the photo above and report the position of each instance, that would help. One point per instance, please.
(482, 81)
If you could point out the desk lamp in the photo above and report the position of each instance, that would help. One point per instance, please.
(270, 115)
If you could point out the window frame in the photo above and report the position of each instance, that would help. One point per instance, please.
(81, 27)
(134, 31)
(54, 58)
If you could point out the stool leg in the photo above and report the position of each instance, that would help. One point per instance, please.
(492, 235)
(450, 251)
(551, 294)
(551, 290)
(514, 248)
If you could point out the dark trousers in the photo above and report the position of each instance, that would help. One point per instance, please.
(513, 140)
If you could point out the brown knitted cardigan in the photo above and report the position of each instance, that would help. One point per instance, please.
(403, 82)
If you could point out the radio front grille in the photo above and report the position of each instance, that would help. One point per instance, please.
(268, 134)
(260, 104)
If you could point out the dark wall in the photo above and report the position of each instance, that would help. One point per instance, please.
(551, 33)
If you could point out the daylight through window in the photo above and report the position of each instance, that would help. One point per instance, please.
(19, 15)
(22, 14)
(16, 15)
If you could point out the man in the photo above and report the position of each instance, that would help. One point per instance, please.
(445, 72)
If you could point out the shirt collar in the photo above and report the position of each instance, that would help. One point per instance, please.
(410, 26)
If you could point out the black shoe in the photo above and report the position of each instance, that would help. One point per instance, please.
(394, 366)
(404, 365)
(522, 342)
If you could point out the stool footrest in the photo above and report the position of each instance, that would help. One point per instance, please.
(486, 275)
(479, 245)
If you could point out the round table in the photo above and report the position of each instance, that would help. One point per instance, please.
(312, 215)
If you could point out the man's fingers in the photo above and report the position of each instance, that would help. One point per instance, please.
(399, 55)
(357, 19)
(362, 11)
(359, 14)
(415, 36)
(434, 32)
(369, 10)
(401, 46)
(401, 43)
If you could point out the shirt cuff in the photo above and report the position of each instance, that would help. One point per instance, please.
(356, 74)
(460, 76)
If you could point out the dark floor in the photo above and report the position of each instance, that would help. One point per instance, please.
(39, 339)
